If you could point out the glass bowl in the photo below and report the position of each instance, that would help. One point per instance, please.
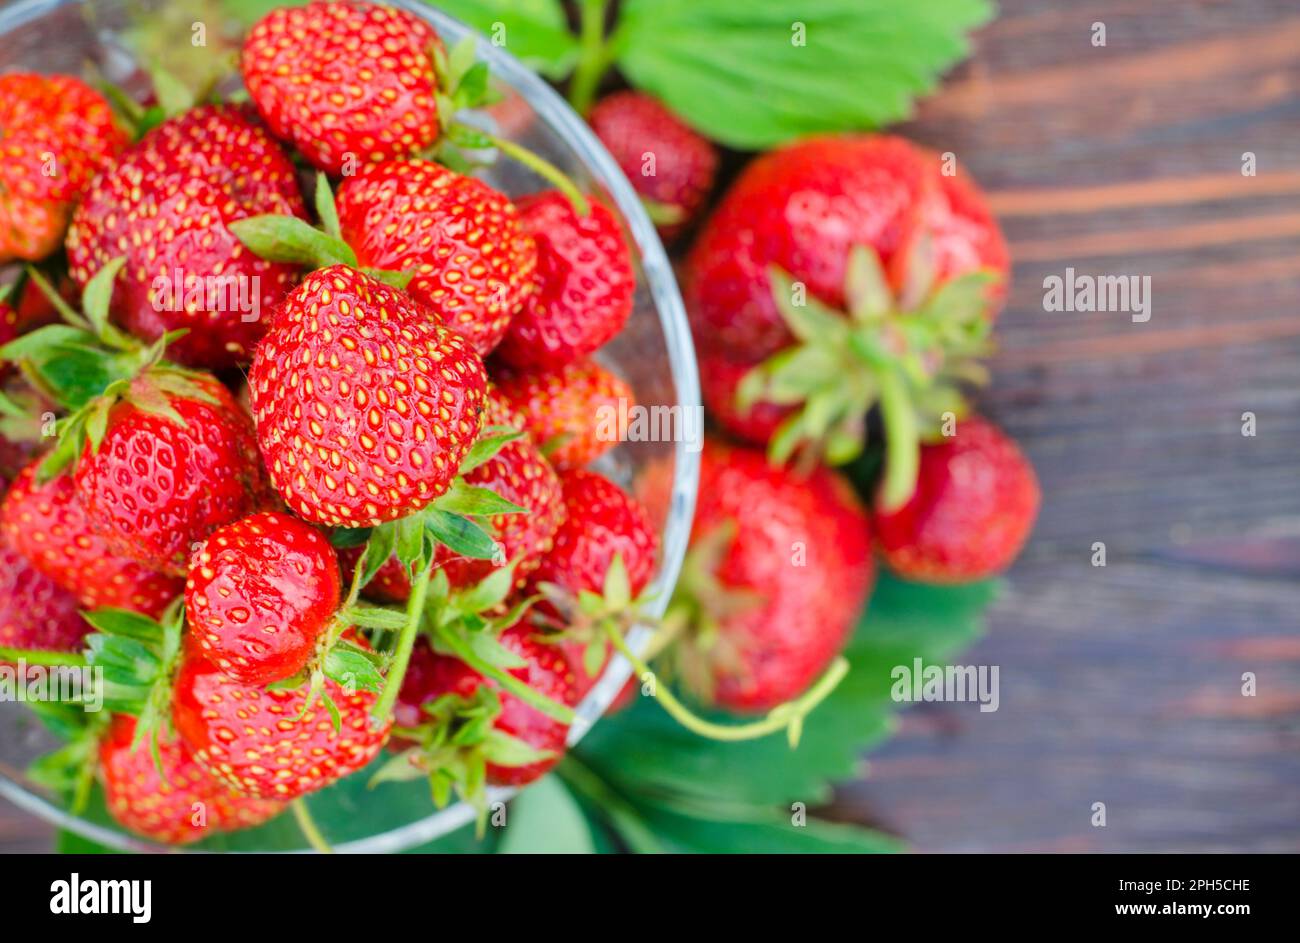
(653, 353)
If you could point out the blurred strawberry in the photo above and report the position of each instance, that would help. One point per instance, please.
(35, 612)
(669, 164)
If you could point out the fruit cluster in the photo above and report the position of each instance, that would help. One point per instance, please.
(318, 482)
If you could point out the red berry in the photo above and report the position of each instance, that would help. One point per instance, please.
(261, 743)
(153, 488)
(667, 162)
(602, 521)
(260, 593)
(57, 132)
(347, 82)
(570, 411)
(545, 670)
(166, 205)
(365, 405)
(473, 263)
(46, 524)
(35, 612)
(584, 284)
(975, 503)
(177, 804)
(803, 207)
(784, 568)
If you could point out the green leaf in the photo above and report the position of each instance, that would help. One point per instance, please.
(98, 294)
(353, 669)
(460, 534)
(544, 819)
(534, 31)
(474, 501)
(759, 831)
(487, 445)
(735, 72)
(126, 624)
(490, 591)
(293, 240)
(171, 93)
(325, 207)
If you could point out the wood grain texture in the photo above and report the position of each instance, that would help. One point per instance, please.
(1122, 685)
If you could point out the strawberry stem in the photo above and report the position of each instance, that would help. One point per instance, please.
(788, 716)
(506, 680)
(310, 831)
(594, 57)
(902, 442)
(405, 644)
(42, 657)
(544, 169)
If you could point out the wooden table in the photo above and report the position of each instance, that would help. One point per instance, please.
(1122, 685)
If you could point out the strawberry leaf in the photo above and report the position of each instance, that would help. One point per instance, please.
(326, 208)
(459, 533)
(485, 448)
(534, 31)
(353, 670)
(473, 501)
(292, 240)
(786, 68)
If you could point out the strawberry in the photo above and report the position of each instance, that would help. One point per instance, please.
(472, 261)
(568, 410)
(779, 569)
(267, 742)
(176, 459)
(602, 521)
(846, 272)
(175, 801)
(974, 506)
(471, 729)
(260, 592)
(346, 82)
(364, 404)
(802, 207)
(55, 133)
(35, 612)
(519, 474)
(166, 206)
(720, 378)
(46, 523)
(584, 284)
(669, 164)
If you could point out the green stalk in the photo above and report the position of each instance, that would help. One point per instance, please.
(506, 680)
(405, 643)
(47, 659)
(902, 441)
(310, 831)
(788, 716)
(594, 58)
(544, 169)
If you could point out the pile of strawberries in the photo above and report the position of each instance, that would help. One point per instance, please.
(313, 408)
(317, 482)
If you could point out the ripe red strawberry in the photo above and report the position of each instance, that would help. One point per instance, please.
(779, 568)
(46, 524)
(55, 133)
(155, 488)
(719, 378)
(365, 405)
(601, 521)
(177, 804)
(347, 82)
(545, 670)
(166, 205)
(260, 593)
(520, 474)
(802, 208)
(260, 742)
(35, 612)
(584, 284)
(669, 164)
(975, 503)
(568, 410)
(473, 263)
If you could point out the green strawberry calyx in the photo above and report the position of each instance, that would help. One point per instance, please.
(910, 355)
